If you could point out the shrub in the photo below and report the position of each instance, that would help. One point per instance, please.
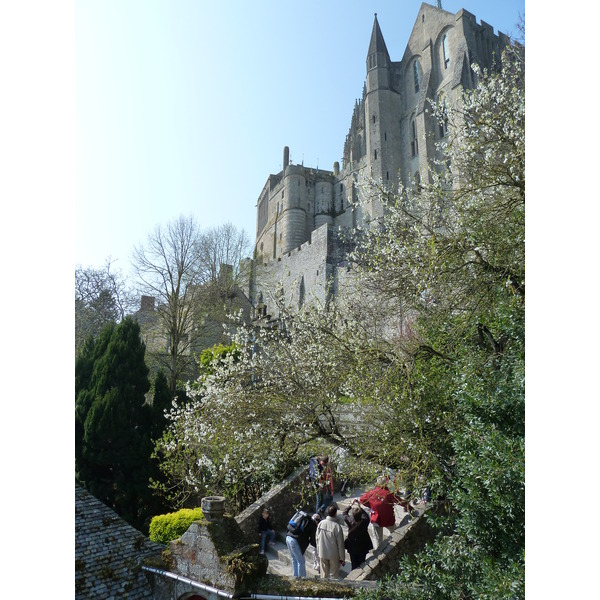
(164, 528)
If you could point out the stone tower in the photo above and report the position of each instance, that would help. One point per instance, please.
(392, 139)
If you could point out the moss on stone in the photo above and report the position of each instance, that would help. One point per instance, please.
(225, 534)
(292, 586)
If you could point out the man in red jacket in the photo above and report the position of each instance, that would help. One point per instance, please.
(381, 502)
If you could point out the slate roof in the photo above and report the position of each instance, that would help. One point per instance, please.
(108, 552)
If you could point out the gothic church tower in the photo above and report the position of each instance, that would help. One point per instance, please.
(393, 139)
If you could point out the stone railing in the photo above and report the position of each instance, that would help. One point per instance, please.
(281, 501)
(407, 539)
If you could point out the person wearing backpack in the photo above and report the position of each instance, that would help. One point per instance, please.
(300, 533)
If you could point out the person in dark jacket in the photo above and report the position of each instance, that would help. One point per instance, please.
(265, 530)
(358, 541)
(297, 544)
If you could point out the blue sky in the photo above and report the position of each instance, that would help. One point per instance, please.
(184, 107)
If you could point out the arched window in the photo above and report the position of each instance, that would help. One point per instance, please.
(414, 144)
(445, 51)
(416, 75)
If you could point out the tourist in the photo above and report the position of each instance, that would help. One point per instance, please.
(358, 541)
(265, 530)
(330, 544)
(299, 535)
(380, 500)
(316, 562)
(324, 486)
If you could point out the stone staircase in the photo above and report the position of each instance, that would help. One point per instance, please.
(280, 562)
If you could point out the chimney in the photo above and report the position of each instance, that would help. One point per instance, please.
(213, 507)
(147, 304)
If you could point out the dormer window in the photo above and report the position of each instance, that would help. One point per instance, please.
(445, 51)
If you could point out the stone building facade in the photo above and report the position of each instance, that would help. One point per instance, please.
(392, 139)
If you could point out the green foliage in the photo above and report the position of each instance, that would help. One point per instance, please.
(464, 281)
(114, 422)
(212, 358)
(162, 400)
(164, 528)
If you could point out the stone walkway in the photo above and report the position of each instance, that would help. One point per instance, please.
(280, 562)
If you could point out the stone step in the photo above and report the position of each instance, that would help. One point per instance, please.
(280, 562)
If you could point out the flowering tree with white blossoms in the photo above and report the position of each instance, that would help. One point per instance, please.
(251, 418)
(420, 370)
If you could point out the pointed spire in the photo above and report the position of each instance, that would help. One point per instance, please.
(377, 43)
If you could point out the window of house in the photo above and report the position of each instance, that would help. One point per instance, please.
(414, 145)
(374, 118)
(446, 51)
(375, 154)
(416, 75)
(282, 193)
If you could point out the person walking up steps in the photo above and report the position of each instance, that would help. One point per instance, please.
(358, 541)
(330, 545)
(300, 533)
(324, 486)
(381, 502)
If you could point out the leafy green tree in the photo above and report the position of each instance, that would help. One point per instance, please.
(114, 422)
(454, 256)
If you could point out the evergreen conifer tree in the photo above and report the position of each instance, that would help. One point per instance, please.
(114, 422)
(162, 401)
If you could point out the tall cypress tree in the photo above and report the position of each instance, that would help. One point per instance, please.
(114, 422)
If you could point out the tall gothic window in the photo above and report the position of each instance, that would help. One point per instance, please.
(414, 145)
(416, 75)
(446, 51)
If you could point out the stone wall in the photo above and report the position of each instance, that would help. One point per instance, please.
(409, 538)
(281, 501)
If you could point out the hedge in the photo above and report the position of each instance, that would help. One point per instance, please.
(164, 528)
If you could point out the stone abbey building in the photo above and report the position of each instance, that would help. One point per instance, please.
(392, 139)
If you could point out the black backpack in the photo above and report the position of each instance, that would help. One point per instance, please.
(298, 522)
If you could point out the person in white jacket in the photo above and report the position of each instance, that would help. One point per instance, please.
(330, 544)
